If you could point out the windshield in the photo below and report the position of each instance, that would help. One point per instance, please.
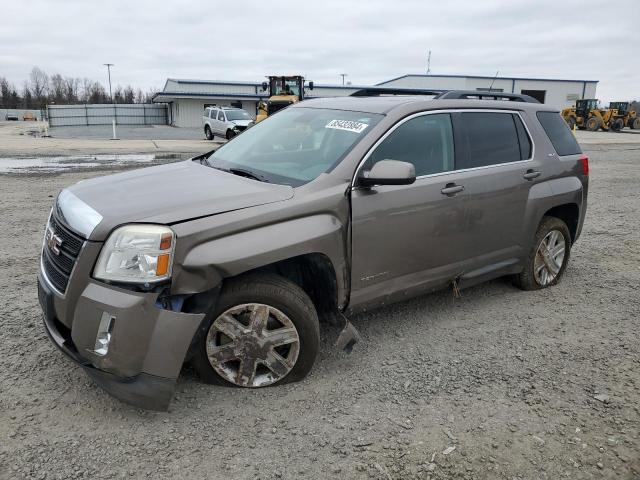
(237, 115)
(296, 145)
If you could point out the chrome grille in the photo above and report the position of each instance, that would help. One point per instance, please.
(57, 266)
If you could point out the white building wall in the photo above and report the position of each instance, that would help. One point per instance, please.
(559, 94)
(187, 112)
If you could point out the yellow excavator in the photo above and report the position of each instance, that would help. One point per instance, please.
(283, 91)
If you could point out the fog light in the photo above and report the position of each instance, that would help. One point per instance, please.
(103, 337)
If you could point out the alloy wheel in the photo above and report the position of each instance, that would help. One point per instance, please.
(253, 345)
(549, 257)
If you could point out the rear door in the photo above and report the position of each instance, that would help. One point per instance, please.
(497, 168)
(406, 239)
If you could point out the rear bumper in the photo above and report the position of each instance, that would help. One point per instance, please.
(130, 378)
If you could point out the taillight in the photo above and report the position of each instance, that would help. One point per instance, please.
(584, 163)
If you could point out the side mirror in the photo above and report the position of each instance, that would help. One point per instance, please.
(265, 85)
(311, 85)
(388, 172)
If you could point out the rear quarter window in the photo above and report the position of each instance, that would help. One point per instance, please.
(558, 132)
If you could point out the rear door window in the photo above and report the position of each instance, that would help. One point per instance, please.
(558, 132)
(490, 138)
(425, 141)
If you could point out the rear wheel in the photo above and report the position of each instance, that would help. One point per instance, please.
(263, 331)
(548, 257)
(208, 133)
(593, 124)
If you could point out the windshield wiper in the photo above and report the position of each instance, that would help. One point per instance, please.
(248, 174)
(241, 172)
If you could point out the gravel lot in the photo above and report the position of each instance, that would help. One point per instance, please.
(497, 384)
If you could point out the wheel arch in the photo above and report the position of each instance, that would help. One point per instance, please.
(310, 251)
(569, 213)
(563, 198)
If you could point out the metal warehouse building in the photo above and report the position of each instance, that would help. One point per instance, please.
(188, 98)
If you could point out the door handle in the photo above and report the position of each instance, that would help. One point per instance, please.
(451, 189)
(531, 174)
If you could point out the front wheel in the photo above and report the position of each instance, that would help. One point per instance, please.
(635, 123)
(593, 124)
(263, 331)
(230, 134)
(549, 256)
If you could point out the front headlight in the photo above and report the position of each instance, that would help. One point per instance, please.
(137, 254)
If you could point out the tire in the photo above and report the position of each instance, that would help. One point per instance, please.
(230, 134)
(593, 124)
(635, 123)
(281, 297)
(208, 133)
(527, 279)
(617, 125)
(571, 122)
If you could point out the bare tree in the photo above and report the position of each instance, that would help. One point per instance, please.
(27, 99)
(39, 81)
(71, 86)
(56, 89)
(129, 95)
(5, 92)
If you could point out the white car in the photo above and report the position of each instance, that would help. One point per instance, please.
(225, 122)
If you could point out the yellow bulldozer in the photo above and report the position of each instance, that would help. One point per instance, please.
(624, 116)
(283, 91)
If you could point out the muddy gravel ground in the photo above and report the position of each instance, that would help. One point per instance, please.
(497, 384)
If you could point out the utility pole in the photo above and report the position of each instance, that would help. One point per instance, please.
(429, 63)
(343, 75)
(113, 121)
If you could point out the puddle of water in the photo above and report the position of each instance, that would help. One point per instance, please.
(71, 162)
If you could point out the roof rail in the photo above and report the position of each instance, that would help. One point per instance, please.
(485, 95)
(378, 91)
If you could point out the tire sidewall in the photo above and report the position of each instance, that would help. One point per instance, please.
(304, 319)
(546, 226)
(207, 133)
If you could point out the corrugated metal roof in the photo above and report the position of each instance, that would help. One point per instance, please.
(482, 77)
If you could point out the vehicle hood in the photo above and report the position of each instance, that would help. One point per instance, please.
(164, 194)
(241, 123)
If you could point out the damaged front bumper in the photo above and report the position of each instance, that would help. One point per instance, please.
(147, 344)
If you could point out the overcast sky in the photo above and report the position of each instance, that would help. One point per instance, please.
(370, 40)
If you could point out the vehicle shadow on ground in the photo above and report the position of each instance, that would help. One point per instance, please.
(402, 318)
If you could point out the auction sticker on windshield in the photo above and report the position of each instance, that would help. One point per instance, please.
(348, 125)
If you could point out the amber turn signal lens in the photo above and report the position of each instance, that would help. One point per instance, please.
(163, 265)
(165, 241)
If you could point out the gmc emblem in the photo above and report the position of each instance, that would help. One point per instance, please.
(53, 241)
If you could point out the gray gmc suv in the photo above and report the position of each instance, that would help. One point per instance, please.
(327, 208)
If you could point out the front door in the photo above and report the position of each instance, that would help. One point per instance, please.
(406, 239)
